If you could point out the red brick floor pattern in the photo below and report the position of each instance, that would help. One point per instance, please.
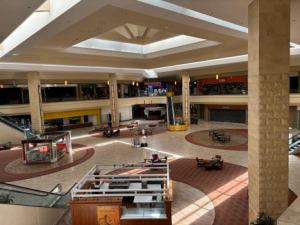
(124, 133)
(242, 147)
(8, 156)
(226, 188)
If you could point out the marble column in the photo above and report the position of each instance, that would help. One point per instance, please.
(186, 108)
(35, 99)
(268, 106)
(113, 93)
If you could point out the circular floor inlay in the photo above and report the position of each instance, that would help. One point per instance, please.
(238, 142)
(18, 167)
(8, 156)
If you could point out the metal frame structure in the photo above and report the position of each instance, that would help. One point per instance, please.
(47, 138)
(77, 191)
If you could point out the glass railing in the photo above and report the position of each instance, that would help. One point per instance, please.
(16, 195)
(138, 213)
(74, 98)
(220, 92)
(294, 91)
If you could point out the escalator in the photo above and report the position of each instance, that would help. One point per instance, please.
(294, 144)
(32, 206)
(170, 110)
(17, 126)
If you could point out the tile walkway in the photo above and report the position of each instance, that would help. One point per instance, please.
(171, 144)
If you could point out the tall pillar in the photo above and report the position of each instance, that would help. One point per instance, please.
(35, 99)
(268, 106)
(113, 89)
(186, 95)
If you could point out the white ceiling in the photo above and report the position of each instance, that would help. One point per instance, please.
(13, 13)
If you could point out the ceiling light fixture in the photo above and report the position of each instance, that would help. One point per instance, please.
(217, 77)
(55, 85)
(133, 83)
(1, 86)
(66, 82)
(175, 82)
(108, 82)
(137, 84)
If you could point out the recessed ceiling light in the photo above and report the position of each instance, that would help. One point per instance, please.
(15, 54)
(166, 27)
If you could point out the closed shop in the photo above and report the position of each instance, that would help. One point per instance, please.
(231, 114)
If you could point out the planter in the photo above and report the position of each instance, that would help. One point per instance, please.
(196, 121)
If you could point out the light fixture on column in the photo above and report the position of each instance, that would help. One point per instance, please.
(55, 85)
(189, 79)
(217, 77)
(66, 82)
(113, 104)
(1, 86)
(133, 83)
(175, 82)
(108, 82)
(137, 84)
(186, 101)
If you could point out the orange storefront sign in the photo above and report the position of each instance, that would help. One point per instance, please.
(225, 80)
(108, 215)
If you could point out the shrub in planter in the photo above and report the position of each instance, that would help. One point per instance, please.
(6, 198)
(263, 219)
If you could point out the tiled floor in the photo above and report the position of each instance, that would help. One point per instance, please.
(175, 146)
(126, 133)
(226, 188)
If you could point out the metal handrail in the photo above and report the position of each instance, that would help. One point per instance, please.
(46, 193)
(17, 124)
(77, 191)
(294, 136)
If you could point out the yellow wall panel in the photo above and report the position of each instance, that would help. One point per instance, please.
(57, 115)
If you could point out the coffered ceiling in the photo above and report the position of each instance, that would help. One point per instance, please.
(139, 34)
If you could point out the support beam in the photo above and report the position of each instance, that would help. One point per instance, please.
(268, 119)
(35, 99)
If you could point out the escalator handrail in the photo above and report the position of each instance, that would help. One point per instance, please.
(16, 123)
(46, 193)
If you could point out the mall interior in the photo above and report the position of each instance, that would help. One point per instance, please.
(197, 101)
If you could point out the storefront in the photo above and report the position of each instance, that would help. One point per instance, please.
(230, 114)
(223, 85)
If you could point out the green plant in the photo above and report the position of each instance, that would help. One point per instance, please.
(6, 198)
(263, 219)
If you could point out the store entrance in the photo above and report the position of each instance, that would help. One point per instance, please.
(227, 115)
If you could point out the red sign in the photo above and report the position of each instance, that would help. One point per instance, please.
(152, 83)
(150, 105)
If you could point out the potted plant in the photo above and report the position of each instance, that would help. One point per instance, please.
(6, 198)
(263, 219)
